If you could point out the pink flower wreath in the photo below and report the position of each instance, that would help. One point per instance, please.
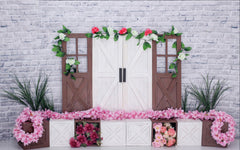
(98, 113)
(36, 119)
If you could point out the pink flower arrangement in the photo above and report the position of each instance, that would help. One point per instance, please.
(86, 134)
(97, 113)
(165, 136)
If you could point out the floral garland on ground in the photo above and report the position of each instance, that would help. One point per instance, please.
(146, 36)
(98, 113)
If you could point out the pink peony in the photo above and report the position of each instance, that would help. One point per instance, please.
(93, 135)
(74, 143)
(163, 129)
(171, 142)
(82, 139)
(158, 136)
(171, 132)
(80, 129)
(123, 31)
(147, 31)
(88, 128)
(157, 127)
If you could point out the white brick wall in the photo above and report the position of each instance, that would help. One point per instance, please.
(27, 29)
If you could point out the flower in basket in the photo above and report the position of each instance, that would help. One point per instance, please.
(86, 134)
(157, 127)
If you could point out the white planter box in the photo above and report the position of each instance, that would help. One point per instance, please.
(60, 132)
(139, 132)
(113, 133)
(189, 132)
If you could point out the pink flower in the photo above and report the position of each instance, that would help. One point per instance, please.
(171, 132)
(89, 143)
(93, 135)
(171, 142)
(88, 128)
(80, 129)
(158, 136)
(123, 31)
(147, 31)
(163, 129)
(156, 143)
(82, 139)
(95, 30)
(157, 127)
(74, 143)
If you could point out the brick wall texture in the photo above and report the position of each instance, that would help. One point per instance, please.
(27, 29)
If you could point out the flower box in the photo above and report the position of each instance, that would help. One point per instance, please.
(138, 132)
(60, 132)
(189, 132)
(172, 122)
(89, 121)
(207, 139)
(113, 132)
(43, 141)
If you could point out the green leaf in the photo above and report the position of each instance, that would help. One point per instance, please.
(175, 60)
(60, 31)
(102, 36)
(172, 66)
(115, 31)
(104, 29)
(141, 35)
(56, 48)
(76, 62)
(68, 31)
(72, 77)
(68, 67)
(138, 43)
(146, 45)
(107, 37)
(66, 39)
(182, 45)
(60, 54)
(59, 42)
(64, 28)
(154, 31)
(129, 30)
(128, 36)
(178, 34)
(174, 75)
(161, 38)
(187, 54)
(89, 35)
(116, 37)
(187, 48)
(174, 45)
(56, 38)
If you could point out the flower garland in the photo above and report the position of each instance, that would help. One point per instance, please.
(36, 119)
(145, 36)
(98, 113)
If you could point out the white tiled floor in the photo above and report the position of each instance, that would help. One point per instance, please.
(12, 145)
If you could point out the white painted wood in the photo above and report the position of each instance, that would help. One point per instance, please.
(107, 59)
(113, 133)
(139, 132)
(137, 90)
(189, 132)
(60, 132)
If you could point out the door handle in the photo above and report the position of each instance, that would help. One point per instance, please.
(120, 74)
(124, 74)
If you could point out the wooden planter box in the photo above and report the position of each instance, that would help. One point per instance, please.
(172, 121)
(207, 139)
(42, 142)
(88, 121)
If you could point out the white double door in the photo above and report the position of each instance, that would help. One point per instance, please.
(108, 92)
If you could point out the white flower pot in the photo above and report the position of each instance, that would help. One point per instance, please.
(60, 132)
(139, 132)
(189, 132)
(113, 133)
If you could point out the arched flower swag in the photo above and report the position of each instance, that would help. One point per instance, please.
(98, 113)
(147, 36)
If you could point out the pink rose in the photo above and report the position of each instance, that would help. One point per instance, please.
(95, 30)
(74, 143)
(171, 132)
(147, 31)
(88, 128)
(156, 144)
(163, 129)
(171, 142)
(123, 31)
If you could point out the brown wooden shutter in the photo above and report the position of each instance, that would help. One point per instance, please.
(166, 90)
(77, 94)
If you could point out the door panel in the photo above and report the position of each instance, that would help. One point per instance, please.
(107, 59)
(137, 90)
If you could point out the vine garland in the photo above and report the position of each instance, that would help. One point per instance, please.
(147, 36)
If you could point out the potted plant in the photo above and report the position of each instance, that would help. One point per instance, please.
(34, 99)
(208, 94)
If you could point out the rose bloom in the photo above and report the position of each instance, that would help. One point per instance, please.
(61, 36)
(181, 56)
(147, 31)
(94, 135)
(74, 143)
(82, 139)
(88, 127)
(171, 142)
(123, 31)
(80, 129)
(171, 132)
(95, 30)
(163, 129)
